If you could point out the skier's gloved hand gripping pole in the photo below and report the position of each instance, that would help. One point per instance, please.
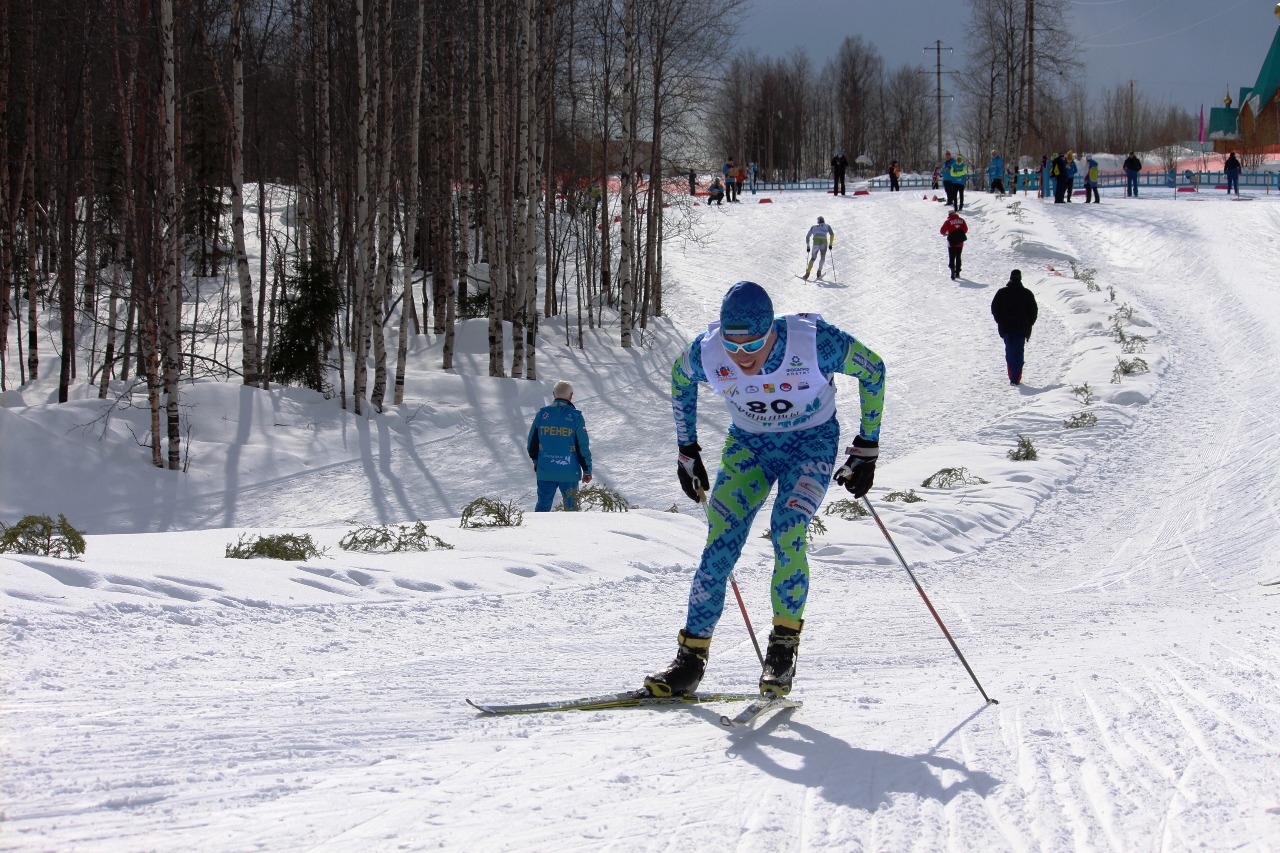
(856, 475)
(694, 483)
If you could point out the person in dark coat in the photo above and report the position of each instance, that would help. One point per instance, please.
(838, 164)
(1058, 172)
(1132, 166)
(1015, 310)
(1232, 170)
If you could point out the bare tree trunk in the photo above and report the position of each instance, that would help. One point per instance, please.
(8, 274)
(411, 205)
(67, 249)
(520, 199)
(29, 193)
(382, 279)
(626, 281)
(249, 358)
(492, 155)
(170, 287)
(364, 221)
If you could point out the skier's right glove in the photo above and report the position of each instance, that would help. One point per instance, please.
(692, 473)
(859, 470)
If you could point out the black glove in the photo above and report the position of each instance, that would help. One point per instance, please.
(859, 470)
(692, 473)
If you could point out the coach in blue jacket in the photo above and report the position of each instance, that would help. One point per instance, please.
(560, 449)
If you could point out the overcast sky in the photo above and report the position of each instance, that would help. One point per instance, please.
(1182, 52)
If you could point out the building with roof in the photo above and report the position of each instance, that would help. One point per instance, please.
(1255, 123)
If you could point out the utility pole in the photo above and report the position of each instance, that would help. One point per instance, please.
(937, 49)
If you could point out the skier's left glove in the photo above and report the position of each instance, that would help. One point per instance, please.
(859, 470)
(691, 471)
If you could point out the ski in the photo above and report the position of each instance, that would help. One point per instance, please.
(758, 708)
(606, 701)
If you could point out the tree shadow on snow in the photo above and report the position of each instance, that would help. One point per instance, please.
(846, 775)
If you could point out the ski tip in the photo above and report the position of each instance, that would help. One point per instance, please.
(483, 709)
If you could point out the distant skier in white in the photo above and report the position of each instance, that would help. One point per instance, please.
(816, 242)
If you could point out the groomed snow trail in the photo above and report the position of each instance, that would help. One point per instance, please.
(1115, 613)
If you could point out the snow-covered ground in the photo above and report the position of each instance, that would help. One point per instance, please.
(1113, 596)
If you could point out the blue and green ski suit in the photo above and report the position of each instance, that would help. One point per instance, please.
(784, 431)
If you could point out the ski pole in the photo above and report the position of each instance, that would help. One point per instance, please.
(834, 275)
(742, 607)
(927, 602)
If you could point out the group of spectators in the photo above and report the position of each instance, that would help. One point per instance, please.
(1059, 173)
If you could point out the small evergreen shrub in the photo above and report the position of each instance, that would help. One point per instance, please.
(491, 512)
(1080, 420)
(907, 497)
(1127, 368)
(1083, 393)
(387, 539)
(281, 546)
(1024, 452)
(597, 496)
(949, 478)
(473, 305)
(40, 534)
(1088, 275)
(1132, 344)
(1111, 291)
(848, 509)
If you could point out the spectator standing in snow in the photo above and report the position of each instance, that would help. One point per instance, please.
(1132, 166)
(1232, 169)
(947, 186)
(560, 449)
(995, 173)
(956, 230)
(1046, 169)
(1058, 173)
(753, 171)
(776, 375)
(959, 175)
(838, 164)
(739, 178)
(1091, 181)
(816, 242)
(894, 172)
(1014, 309)
(937, 171)
(730, 180)
(1072, 171)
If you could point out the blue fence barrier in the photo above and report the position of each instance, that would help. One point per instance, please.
(1146, 178)
(1029, 181)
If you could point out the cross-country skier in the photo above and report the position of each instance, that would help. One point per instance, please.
(777, 377)
(816, 242)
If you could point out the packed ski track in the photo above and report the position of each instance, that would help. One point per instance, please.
(1112, 596)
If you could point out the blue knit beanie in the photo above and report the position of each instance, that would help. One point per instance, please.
(746, 310)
